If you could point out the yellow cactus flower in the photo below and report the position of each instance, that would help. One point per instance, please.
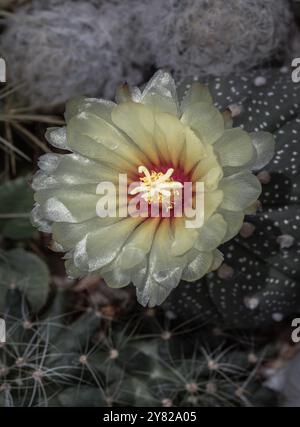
(159, 143)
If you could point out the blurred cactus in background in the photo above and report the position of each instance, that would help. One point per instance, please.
(70, 48)
(84, 358)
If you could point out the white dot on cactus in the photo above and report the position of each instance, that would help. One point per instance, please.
(166, 335)
(170, 315)
(251, 302)
(113, 354)
(252, 358)
(211, 388)
(247, 230)
(4, 371)
(167, 403)
(225, 272)
(20, 362)
(284, 69)
(212, 365)
(191, 387)
(27, 324)
(260, 81)
(235, 109)
(37, 375)
(285, 241)
(83, 359)
(264, 177)
(277, 317)
(5, 387)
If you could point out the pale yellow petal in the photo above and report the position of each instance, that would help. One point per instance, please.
(194, 151)
(198, 267)
(234, 220)
(138, 245)
(212, 200)
(101, 247)
(108, 142)
(218, 259)
(100, 107)
(206, 120)
(169, 138)
(160, 93)
(234, 148)
(195, 94)
(184, 238)
(138, 122)
(240, 190)
(211, 234)
(74, 205)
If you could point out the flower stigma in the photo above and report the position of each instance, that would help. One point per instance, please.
(157, 187)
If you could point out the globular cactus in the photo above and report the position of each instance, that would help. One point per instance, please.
(67, 358)
(38, 358)
(258, 283)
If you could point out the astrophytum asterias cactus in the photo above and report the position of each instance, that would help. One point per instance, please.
(159, 143)
(259, 282)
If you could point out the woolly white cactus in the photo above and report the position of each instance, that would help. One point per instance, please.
(64, 49)
(217, 37)
(76, 47)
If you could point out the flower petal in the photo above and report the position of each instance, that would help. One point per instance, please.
(117, 278)
(107, 142)
(218, 259)
(234, 220)
(38, 220)
(68, 234)
(234, 148)
(57, 137)
(240, 190)
(228, 121)
(169, 138)
(74, 205)
(101, 247)
(137, 121)
(196, 93)
(194, 151)
(198, 267)
(206, 120)
(264, 144)
(138, 245)
(211, 233)
(98, 107)
(164, 270)
(160, 93)
(184, 238)
(212, 200)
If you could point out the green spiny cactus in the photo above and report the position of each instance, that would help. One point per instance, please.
(67, 358)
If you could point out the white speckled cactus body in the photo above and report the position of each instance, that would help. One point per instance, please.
(258, 284)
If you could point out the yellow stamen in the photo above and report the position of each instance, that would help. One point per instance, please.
(156, 187)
